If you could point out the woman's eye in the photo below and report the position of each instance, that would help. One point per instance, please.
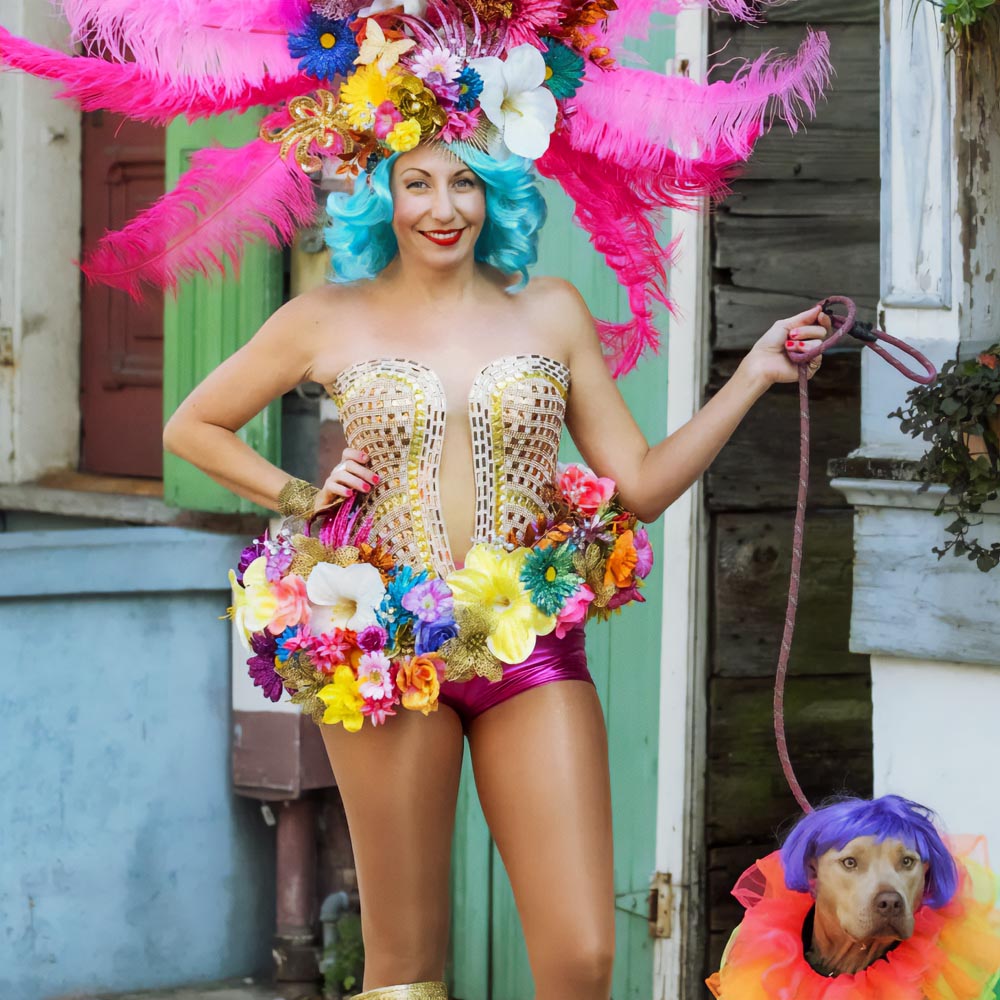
(849, 863)
(415, 184)
(465, 182)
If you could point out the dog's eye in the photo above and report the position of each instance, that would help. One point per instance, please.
(849, 863)
(909, 861)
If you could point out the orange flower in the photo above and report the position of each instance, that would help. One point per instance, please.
(622, 561)
(419, 680)
(987, 359)
(293, 604)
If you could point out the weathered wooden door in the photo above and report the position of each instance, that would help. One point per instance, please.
(489, 961)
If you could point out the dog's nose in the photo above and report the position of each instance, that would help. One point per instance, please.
(889, 904)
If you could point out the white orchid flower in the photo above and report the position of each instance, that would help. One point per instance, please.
(416, 8)
(514, 99)
(343, 596)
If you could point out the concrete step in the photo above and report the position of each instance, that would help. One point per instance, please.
(234, 989)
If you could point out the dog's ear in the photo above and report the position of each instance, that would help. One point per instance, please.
(812, 873)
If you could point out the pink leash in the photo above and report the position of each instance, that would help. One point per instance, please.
(842, 325)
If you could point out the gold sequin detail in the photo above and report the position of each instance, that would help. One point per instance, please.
(414, 991)
(396, 410)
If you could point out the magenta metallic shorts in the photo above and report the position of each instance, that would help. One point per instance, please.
(552, 660)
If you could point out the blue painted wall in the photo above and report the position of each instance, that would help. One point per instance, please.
(125, 859)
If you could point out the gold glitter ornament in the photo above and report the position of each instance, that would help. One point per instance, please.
(418, 104)
(297, 498)
(346, 555)
(413, 991)
(467, 655)
(590, 565)
(493, 10)
(321, 120)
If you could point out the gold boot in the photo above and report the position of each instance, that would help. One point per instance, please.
(415, 991)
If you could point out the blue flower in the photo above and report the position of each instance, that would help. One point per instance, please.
(470, 86)
(431, 636)
(324, 47)
(292, 632)
(550, 578)
(391, 613)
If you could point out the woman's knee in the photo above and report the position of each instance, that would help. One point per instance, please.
(584, 964)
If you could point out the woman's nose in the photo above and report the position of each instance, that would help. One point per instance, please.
(442, 207)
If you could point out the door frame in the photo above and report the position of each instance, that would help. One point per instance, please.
(678, 959)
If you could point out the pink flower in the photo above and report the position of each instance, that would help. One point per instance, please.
(583, 490)
(460, 125)
(378, 710)
(331, 649)
(372, 639)
(623, 596)
(301, 643)
(293, 604)
(387, 116)
(573, 611)
(439, 62)
(645, 553)
(531, 19)
(375, 677)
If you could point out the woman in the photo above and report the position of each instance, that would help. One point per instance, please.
(449, 316)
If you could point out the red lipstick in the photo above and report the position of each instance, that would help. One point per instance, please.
(442, 237)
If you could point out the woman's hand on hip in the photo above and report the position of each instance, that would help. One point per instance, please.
(349, 476)
(769, 359)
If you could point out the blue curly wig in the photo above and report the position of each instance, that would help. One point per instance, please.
(838, 824)
(362, 242)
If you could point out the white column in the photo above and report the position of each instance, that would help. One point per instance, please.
(39, 240)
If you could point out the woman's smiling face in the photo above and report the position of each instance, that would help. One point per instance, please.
(439, 206)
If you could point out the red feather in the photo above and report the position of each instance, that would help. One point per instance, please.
(228, 199)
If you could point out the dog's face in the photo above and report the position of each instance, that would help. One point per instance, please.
(870, 888)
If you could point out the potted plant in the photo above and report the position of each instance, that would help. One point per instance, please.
(959, 415)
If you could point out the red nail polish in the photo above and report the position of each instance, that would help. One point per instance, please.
(366, 488)
(377, 479)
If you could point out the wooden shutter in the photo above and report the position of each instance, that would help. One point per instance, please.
(210, 319)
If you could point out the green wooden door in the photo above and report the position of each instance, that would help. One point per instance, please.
(210, 319)
(489, 960)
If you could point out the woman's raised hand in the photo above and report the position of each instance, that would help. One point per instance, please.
(769, 357)
(349, 476)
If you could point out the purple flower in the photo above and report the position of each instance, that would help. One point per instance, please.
(279, 557)
(431, 636)
(645, 553)
(254, 550)
(429, 601)
(262, 665)
(625, 595)
(373, 639)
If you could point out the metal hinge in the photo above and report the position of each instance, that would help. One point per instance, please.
(661, 905)
(6, 347)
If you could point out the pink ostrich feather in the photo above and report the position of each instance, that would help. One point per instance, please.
(226, 200)
(621, 211)
(633, 18)
(643, 119)
(206, 44)
(128, 89)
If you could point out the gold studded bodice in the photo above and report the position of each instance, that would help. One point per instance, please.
(396, 410)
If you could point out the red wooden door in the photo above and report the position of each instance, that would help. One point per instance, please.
(121, 379)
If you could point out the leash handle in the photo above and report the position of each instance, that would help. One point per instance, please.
(842, 326)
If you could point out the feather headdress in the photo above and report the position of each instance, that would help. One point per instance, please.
(354, 83)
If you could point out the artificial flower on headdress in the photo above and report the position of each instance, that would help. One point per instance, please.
(491, 578)
(470, 86)
(363, 91)
(515, 100)
(417, 102)
(381, 51)
(563, 69)
(324, 47)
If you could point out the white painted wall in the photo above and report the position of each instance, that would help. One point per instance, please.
(39, 240)
(937, 740)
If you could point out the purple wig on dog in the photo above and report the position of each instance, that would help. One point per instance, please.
(833, 826)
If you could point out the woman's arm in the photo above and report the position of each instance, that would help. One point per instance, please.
(649, 478)
(281, 354)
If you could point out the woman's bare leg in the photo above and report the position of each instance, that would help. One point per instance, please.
(541, 766)
(399, 784)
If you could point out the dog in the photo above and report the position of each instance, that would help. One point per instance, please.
(854, 883)
(869, 866)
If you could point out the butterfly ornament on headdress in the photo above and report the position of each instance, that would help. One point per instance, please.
(353, 83)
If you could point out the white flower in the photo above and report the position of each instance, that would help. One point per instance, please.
(514, 99)
(343, 596)
(417, 8)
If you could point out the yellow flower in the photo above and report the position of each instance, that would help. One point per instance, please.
(343, 700)
(254, 604)
(404, 136)
(491, 579)
(364, 91)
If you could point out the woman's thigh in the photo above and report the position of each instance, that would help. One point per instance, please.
(399, 785)
(541, 766)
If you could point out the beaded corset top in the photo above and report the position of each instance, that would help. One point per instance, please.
(396, 411)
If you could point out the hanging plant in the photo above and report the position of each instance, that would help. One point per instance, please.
(959, 414)
(962, 18)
